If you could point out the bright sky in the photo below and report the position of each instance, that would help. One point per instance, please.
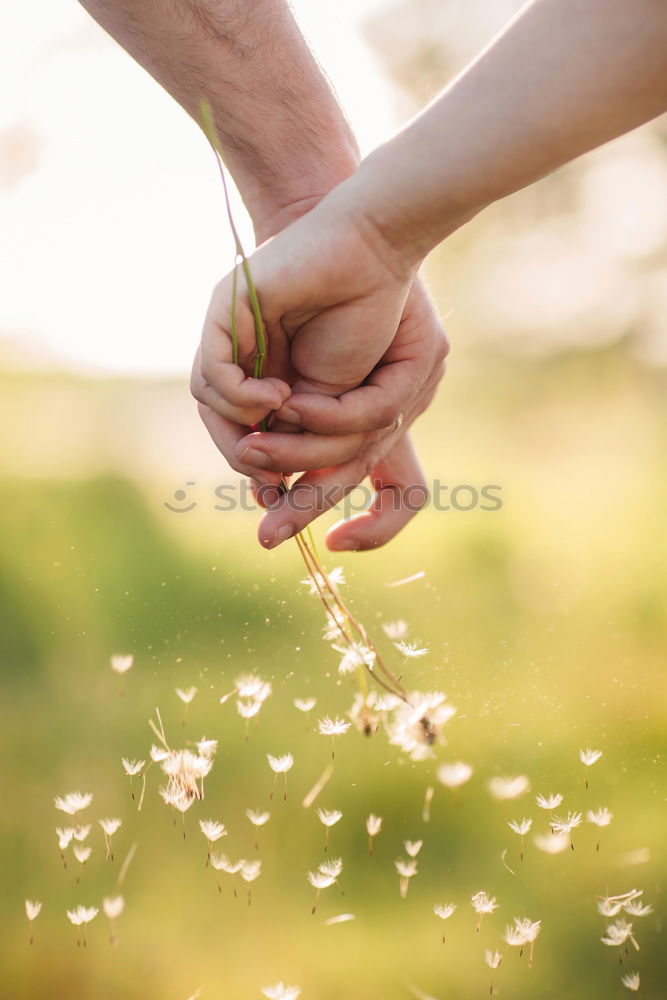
(109, 249)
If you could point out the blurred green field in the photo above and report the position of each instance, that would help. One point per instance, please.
(546, 623)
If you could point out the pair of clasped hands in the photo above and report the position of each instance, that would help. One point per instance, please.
(355, 352)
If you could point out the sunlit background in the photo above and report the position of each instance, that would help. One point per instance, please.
(546, 621)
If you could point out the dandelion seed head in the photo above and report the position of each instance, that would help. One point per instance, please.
(73, 802)
(355, 655)
(551, 843)
(416, 724)
(121, 662)
(133, 767)
(521, 827)
(549, 801)
(504, 789)
(281, 992)
(444, 910)
(113, 906)
(524, 931)
(373, 825)
(282, 764)
(258, 818)
(454, 775)
(412, 847)
(332, 727)
(111, 825)
(250, 870)
(82, 915)
(186, 695)
(33, 908)
(212, 830)
(589, 757)
(305, 704)
(396, 630)
(65, 836)
(406, 869)
(329, 817)
(410, 650)
(331, 867)
(565, 824)
(482, 903)
(600, 817)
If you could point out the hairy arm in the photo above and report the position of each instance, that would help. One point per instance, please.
(285, 138)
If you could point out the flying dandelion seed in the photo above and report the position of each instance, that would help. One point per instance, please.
(396, 630)
(121, 662)
(258, 819)
(549, 802)
(333, 728)
(599, 817)
(551, 843)
(250, 870)
(521, 828)
(325, 876)
(81, 832)
(563, 826)
(112, 907)
(305, 704)
(73, 802)
(319, 582)
(33, 908)
(81, 916)
(280, 765)
(355, 657)
(132, 768)
(454, 775)
(253, 687)
(281, 992)
(82, 853)
(636, 908)
(158, 754)
(631, 981)
(207, 748)
(213, 831)
(110, 826)
(410, 650)
(65, 836)
(589, 757)
(221, 863)
(504, 789)
(444, 911)
(482, 904)
(417, 722)
(493, 960)
(364, 715)
(523, 932)
(617, 933)
(406, 871)
(373, 827)
(328, 818)
(413, 847)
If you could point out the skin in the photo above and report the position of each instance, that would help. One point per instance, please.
(564, 77)
(251, 63)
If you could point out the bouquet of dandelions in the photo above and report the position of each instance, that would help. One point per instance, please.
(413, 720)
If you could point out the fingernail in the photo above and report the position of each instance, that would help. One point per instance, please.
(290, 415)
(254, 457)
(282, 534)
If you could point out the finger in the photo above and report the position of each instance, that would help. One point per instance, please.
(387, 393)
(242, 400)
(311, 495)
(302, 452)
(401, 493)
(225, 436)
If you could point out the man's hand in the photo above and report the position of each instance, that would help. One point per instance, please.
(334, 303)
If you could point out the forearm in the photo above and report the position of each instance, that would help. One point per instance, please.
(285, 138)
(563, 78)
